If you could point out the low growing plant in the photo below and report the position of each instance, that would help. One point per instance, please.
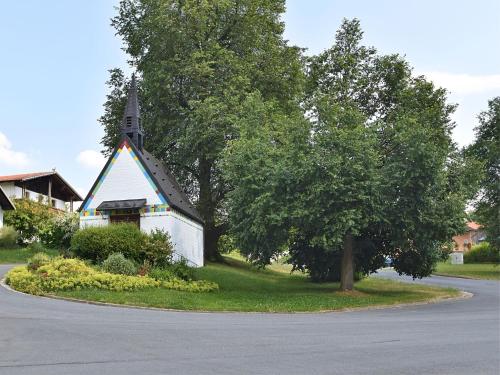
(482, 253)
(59, 231)
(37, 260)
(8, 237)
(118, 264)
(158, 248)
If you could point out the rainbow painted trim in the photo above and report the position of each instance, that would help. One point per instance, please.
(124, 146)
(156, 208)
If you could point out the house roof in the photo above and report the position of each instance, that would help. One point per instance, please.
(62, 189)
(124, 204)
(472, 225)
(5, 202)
(161, 176)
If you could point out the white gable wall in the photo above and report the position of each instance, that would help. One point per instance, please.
(125, 180)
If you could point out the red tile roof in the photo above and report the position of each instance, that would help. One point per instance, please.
(24, 176)
(472, 225)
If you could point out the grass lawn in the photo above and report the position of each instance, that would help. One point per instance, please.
(20, 255)
(244, 288)
(487, 271)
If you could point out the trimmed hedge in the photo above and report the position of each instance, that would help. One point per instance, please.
(97, 243)
(482, 253)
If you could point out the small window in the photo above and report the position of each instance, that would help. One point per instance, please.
(129, 121)
(27, 195)
(53, 203)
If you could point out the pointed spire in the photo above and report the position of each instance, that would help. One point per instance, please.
(131, 123)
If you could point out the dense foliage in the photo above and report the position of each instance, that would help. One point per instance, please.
(371, 172)
(117, 263)
(486, 149)
(29, 219)
(8, 237)
(61, 274)
(482, 253)
(198, 61)
(97, 243)
(59, 230)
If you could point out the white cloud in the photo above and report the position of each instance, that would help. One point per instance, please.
(464, 84)
(91, 159)
(9, 157)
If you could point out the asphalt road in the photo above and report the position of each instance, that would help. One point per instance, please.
(46, 336)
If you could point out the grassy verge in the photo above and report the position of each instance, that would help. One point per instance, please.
(244, 288)
(487, 271)
(20, 255)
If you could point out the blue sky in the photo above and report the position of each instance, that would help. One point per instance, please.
(55, 57)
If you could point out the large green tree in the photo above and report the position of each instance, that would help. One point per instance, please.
(368, 173)
(486, 149)
(198, 61)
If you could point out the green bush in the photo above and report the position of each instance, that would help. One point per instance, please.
(29, 219)
(117, 263)
(37, 260)
(60, 274)
(181, 269)
(8, 237)
(59, 231)
(97, 243)
(482, 253)
(158, 248)
(161, 274)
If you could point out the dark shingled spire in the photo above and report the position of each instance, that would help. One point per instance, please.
(131, 123)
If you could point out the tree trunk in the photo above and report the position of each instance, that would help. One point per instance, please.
(347, 267)
(206, 207)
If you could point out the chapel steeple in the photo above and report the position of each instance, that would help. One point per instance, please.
(131, 123)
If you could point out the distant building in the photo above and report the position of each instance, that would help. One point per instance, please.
(44, 187)
(5, 205)
(136, 187)
(472, 236)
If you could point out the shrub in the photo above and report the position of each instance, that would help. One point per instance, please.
(29, 219)
(117, 263)
(59, 231)
(37, 260)
(97, 243)
(8, 237)
(60, 274)
(482, 253)
(181, 269)
(161, 274)
(158, 248)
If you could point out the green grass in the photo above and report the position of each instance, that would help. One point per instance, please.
(487, 271)
(244, 288)
(20, 255)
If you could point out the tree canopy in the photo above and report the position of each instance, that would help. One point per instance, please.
(198, 61)
(366, 174)
(486, 150)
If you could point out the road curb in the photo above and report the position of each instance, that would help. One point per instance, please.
(463, 295)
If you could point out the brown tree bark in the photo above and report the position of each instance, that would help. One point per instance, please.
(206, 207)
(347, 266)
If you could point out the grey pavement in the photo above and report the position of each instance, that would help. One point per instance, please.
(46, 336)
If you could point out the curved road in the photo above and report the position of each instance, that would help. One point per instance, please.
(46, 336)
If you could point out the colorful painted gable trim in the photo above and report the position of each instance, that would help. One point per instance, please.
(156, 208)
(124, 146)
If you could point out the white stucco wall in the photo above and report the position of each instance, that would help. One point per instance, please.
(186, 234)
(125, 180)
(93, 221)
(11, 190)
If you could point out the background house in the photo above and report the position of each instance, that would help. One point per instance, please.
(44, 187)
(472, 236)
(5, 204)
